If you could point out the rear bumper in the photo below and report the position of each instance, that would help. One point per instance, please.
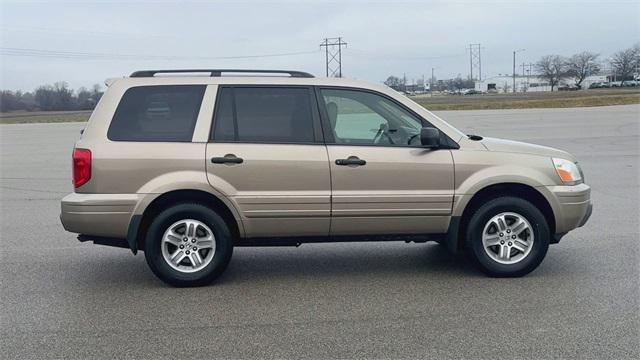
(99, 215)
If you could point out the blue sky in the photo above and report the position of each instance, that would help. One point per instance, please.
(86, 42)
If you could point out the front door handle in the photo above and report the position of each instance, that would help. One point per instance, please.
(227, 159)
(351, 160)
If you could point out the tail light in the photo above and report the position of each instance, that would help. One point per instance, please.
(81, 167)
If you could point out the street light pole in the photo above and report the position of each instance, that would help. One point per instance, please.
(514, 71)
(514, 68)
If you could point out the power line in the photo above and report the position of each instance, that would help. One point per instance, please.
(396, 57)
(80, 31)
(333, 55)
(42, 53)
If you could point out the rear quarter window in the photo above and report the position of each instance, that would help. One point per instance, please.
(157, 113)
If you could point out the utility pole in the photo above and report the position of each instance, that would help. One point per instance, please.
(432, 81)
(470, 63)
(333, 56)
(514, 72)
(514, 68)
(475, 60)
(404, 82)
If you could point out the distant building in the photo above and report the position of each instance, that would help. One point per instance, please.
(504, 83)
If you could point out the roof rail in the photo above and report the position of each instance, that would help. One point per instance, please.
(218, 72)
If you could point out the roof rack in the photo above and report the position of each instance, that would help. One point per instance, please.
(218, 72)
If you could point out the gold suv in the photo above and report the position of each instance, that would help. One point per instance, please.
(186, 167)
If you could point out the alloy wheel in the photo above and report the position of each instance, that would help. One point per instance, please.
(188, 245)
(507, 238)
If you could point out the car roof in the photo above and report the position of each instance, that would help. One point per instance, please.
(245, 80)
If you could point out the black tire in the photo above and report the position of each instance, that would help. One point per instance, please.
(484, 213)
(204, 276)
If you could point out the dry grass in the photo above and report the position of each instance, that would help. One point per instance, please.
(599, 97)
(27, 117)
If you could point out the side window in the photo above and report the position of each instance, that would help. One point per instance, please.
(263, 114)
(364, 118)
(157, 113)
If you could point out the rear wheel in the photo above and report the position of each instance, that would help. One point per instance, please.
(188, 245)
(507, 237)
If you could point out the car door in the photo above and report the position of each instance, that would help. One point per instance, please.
(382, 180)
(266, 154)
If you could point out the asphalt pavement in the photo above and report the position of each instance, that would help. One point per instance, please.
(63, 299)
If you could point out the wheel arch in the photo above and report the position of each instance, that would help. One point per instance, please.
(458, 227)
(137, 231)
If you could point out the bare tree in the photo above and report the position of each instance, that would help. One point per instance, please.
(394, 82)
(625, 61)
(552, 68)
(581, 65)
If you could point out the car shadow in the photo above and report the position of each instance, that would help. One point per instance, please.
(324, 262)
(310, 261)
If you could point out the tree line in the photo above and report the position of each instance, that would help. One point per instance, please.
(554, 68)
(54, 97)
(456, 84)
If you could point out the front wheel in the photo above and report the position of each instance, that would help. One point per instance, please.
(188, 245)
(507, 237)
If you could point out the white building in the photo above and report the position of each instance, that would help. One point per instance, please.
(504, 83)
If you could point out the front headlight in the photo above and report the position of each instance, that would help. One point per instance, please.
(568, 171)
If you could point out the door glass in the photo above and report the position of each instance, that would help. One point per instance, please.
(264, 115)
(358, 117)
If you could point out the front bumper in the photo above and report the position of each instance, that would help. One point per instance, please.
(572, 206)
(103, 215)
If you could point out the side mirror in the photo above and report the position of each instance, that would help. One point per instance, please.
(430, 137)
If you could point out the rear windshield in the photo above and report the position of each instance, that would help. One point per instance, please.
(157, 113)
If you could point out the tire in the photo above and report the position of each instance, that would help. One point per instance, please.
(207, 229)
(515, 259)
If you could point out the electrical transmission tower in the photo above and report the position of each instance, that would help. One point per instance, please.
(475, 61)
(333, 56)
(527, 68)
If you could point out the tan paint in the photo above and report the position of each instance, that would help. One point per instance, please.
(298, 190)
(287, 184)
(399, 182)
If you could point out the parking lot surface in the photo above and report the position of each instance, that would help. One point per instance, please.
(64, 299)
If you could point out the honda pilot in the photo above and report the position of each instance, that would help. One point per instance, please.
(186, 167)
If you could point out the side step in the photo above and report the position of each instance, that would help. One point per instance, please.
(297, 241)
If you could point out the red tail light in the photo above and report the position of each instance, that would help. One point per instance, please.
(81, 167)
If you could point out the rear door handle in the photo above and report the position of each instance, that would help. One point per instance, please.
(227, 159)
(351, 160)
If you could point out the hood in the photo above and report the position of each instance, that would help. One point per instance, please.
(501, 145)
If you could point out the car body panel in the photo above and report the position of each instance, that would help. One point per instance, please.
(297, 189)
(518, 147)
(106, 215)
(279, 189)
(396, 182)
